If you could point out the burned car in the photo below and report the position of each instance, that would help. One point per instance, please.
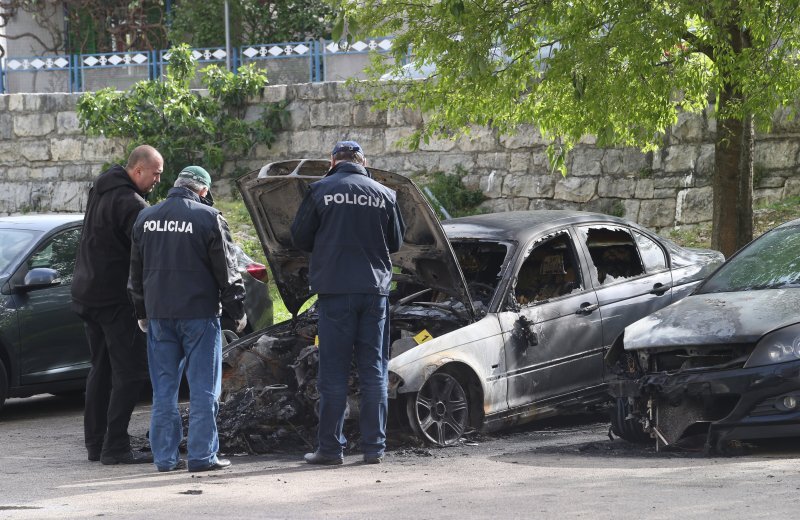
(495, 319)
(722, 364)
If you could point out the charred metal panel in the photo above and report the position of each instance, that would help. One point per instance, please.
(720, 318)
(478, 345)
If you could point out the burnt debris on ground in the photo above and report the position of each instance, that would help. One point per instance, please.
(269, 399)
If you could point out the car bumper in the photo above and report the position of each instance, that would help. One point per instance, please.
(744, 403)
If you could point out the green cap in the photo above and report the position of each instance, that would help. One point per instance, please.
(198, 174)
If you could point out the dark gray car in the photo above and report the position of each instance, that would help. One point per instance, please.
(43, 345)
(496, 319)
(723, 363)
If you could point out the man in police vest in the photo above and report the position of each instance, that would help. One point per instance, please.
(183, 265)
(350, 224)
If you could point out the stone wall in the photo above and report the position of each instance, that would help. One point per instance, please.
(47, 163)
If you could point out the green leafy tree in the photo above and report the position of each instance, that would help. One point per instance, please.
(615, 69)
(251, 21)
(185, 126)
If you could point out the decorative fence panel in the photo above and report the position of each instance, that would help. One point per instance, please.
(37, 74)
(118, 70)
(341, 62)
(285, 63)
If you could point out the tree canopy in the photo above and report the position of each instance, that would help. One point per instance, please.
(251, 21)
(615, 69)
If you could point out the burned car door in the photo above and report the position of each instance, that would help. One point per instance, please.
(626, 291)
(552, 330)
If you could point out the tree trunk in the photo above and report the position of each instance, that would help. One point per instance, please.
(733, 167)
(733, 183)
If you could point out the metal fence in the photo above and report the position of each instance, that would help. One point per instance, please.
(285, 63)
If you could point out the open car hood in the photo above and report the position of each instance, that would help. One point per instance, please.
(274, 193)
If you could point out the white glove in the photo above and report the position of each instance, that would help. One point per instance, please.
(241, 324)
(143, 326)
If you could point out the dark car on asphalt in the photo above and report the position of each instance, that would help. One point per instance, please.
(496, 319)
(723, 363)
(43, 346)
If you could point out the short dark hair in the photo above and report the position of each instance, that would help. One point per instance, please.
(349, 156)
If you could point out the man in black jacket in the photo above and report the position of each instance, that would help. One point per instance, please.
(182, 267)
(350, 224)
(99, 296)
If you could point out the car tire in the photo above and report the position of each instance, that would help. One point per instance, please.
(3, 384)
(625, 427)
(439, 412)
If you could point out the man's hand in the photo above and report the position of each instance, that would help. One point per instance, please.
(241, 324)
(143, 326)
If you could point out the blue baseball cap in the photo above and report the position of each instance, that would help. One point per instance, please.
(349, 146)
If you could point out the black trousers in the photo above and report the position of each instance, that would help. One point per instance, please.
(118, 374)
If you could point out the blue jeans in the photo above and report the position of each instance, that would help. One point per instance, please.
(195, 345)
(351, 323)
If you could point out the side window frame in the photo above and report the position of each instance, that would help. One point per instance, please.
(577, 257)
(659, 246)
(582, 235)
(49, 243)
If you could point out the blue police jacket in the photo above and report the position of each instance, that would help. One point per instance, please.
(350, 224)
(183, 263)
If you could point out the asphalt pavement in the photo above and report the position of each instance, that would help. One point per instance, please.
(566, 468)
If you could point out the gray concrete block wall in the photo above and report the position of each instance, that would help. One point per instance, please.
(47, 163)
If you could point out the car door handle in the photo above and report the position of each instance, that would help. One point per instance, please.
(659, 289)
(587, 308)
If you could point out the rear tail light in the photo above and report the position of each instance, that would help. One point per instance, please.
(258, 271)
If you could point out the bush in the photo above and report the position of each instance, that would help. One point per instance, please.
(186, 127)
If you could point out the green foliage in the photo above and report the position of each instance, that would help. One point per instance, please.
(201, 24)
(450, 192)
(617, 70)
(186, 127)
(617, 209)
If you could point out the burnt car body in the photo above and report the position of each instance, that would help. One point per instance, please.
(495, 319)
(43, 347)
(722, 364)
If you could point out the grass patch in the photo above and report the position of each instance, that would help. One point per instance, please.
(764, 219)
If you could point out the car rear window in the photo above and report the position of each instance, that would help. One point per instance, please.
(770, 262)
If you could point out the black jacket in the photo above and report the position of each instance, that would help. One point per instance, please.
(101, 267)
(350, 224)
(183, 262)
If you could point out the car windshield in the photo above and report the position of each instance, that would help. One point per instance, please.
(481, 263)
(12, 243)
(771, 262)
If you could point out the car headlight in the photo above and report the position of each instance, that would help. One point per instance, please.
(778, 346)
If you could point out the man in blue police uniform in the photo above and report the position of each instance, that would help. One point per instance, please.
(350, 224)
(182, 266)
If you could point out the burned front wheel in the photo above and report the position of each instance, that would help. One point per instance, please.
(625, 424)
(439, 413)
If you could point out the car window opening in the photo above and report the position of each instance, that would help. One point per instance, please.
(614, 254)
(550, 271)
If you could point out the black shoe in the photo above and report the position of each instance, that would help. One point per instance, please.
(94, 456)
(373, 459)
(181, 464)
(319, 458)
(129, 457)
(219, 464)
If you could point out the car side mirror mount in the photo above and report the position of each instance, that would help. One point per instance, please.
(39, 278)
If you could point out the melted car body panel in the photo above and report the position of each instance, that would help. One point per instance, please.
(719, 318)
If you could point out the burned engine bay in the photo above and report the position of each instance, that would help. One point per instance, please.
(269, 384)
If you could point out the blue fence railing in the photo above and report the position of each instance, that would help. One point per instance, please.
(285, 63)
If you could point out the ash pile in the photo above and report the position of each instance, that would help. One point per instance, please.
(269, 400)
